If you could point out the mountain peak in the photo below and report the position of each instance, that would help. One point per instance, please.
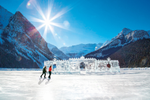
(125, 31)
(18, 14)
(21, 40)
(125, 28)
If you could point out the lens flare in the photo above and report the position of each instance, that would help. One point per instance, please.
(28, 4)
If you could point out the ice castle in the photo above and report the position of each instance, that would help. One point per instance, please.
(86, 65)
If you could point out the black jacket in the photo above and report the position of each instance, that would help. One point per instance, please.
(44, 70)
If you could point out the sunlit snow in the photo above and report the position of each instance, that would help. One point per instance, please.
(25, 85)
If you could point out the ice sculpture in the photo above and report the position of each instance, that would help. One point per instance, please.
(86, 65)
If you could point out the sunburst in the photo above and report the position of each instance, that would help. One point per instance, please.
(47, 20)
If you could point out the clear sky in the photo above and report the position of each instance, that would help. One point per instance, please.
(72, 22)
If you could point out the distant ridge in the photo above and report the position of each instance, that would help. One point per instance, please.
(76, 51)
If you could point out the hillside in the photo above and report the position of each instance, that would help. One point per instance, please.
(136, 54)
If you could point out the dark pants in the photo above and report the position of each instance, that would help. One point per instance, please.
(44, 75)
(49, 74)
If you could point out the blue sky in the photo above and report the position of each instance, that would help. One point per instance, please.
(83, 21)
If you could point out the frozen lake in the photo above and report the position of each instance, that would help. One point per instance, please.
(25, 85)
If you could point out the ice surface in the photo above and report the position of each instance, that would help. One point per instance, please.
(130, 84)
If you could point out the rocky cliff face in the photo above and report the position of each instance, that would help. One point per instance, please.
(21, 45)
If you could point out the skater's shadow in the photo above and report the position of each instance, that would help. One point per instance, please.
(41, 80)
(47, 81)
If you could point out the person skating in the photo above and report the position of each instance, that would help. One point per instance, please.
(44, 72)
(50, 71)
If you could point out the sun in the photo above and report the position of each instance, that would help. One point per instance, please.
(47, 22)
(47, 19)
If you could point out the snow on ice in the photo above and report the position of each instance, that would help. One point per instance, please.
(129, 84)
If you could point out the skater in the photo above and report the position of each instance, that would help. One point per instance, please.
(44, 72)
(50, 71)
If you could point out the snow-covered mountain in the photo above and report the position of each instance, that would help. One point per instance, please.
(98, 46)
(77, 51)
(125, 37)
(21, 45)
(58, 53)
